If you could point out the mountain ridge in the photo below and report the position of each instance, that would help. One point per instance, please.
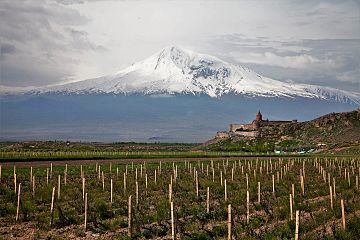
(174, 70)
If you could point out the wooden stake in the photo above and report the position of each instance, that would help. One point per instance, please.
(47, 176)
(302, 184)
(247, 182)
(52, 207)
(59, 185)
(83, 188)
(343, 214)
(273, 184)
(86, 207)
(229, 222)
(297, 225)
(197, 184)
(170, 192)
(33, 186)
(291, 208)
(15, 184)
(356, 180)
(155, 176)
(247, 207)
(129, 217)
(111, 191)
(124, 183)
(137, 193)
(259, 193)
(18, 202)
(293, 193)
(172, 221)
(103, 180)
(213, 174)
(225, 193)
(207, 200)
(31, 174)
(331, 198)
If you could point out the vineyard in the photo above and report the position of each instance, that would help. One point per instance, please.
(265, 198)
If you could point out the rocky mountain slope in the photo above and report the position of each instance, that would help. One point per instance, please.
(175, 70)
(328, 132)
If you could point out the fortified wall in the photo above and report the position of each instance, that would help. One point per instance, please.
(251, 130)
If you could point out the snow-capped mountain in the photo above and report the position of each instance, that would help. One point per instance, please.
(175, 70)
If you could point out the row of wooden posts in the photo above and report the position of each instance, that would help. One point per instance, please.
(322, 171)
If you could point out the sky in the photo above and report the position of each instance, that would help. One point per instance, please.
(46, 42)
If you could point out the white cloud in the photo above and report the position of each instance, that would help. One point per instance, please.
(301, 61)
(48, 41)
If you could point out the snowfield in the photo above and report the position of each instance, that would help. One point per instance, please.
(175, 70)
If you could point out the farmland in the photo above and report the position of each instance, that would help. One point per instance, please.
(235, 198)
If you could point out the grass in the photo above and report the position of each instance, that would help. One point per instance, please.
(268, 220)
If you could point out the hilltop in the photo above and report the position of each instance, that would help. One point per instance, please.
(334, 132)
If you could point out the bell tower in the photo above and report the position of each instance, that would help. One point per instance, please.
(258, 116)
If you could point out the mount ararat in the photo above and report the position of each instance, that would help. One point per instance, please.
(174, 95)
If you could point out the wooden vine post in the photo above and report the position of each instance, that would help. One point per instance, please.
(137, 193)
(18, 202)
(273, 184)
(155, 176)
(225, 192)
(111, 191)
(129, 217)
(291, 208)
(297, 225)
(259, 193)
(247, 207)
(33, 186)
(172, 221)
(59, 185)
(302, 184)
(124, 183)
(103, 180)
(197, 184)
(15, 184)
(52, 206)
(170, 192)
(86, 207)
(343, 214)
(334, 188)
(47, 176)
(207, 200)
(331, 197)
(51, 170)
(229, 222)
(83, 188)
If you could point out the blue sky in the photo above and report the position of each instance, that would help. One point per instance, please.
(52, 41)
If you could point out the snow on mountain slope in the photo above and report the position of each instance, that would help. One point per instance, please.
(174, 70)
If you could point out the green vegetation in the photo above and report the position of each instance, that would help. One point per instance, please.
(255, 146)
(269, 219)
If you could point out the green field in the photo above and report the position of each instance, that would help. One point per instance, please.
(268, 219)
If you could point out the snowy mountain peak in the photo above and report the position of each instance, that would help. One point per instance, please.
(175, 70)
